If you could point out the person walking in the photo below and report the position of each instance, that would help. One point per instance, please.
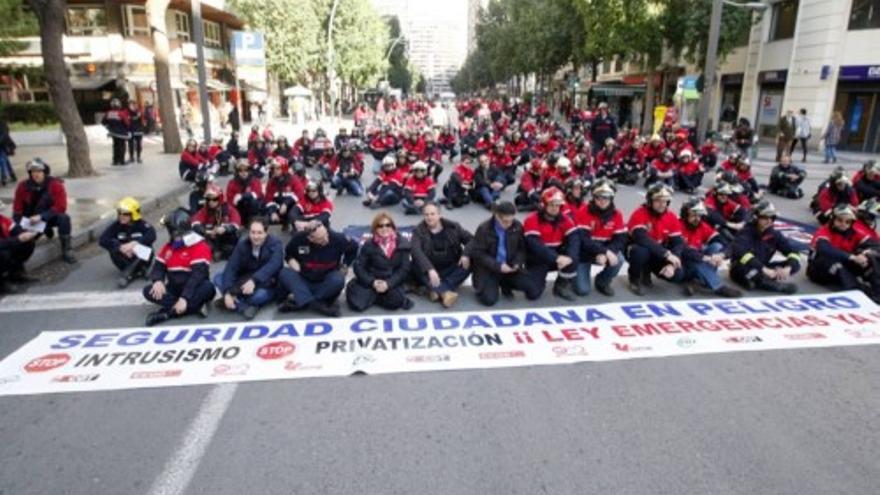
(802, 133)
(786, 125)
(832, 137)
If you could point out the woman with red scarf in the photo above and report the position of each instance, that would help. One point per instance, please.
(381, 269)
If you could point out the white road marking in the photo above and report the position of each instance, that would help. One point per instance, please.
(71, 300)
(180, 467)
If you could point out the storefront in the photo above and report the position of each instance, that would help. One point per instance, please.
(625, 101)
(731, 92)
(772, 84)
(858, 100)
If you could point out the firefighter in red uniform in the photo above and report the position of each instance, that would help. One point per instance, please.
(661, 170)
(181, 283)
(867, 180)
(345, 170)
(703, 251)
(457, 189)
(16, 247)
(575, 196)
(553, 243)
(517, 149)
(631, 162)
(845, 257)
(312, 209)
(689, 175)
(603, 239)
(724, 214)
(417, 190)
(446, 141)
(606, 160)
(867, 214)
(218, 223)
(709, 154)
(280, 195)
(656, 241)
(499, 159)
(654, 149)
(245, 192)
(387, 188)
(528, 193)
(837, 190)
(43, 198)
(190, 161)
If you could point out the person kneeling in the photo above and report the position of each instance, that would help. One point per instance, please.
(317, 261)
(180, 276)
(129, 241)
(439, 262)
(381, 269)
(248, 282)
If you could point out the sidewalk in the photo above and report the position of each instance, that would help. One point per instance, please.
(91, 201)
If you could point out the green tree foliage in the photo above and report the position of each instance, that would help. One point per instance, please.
(17, 21)
(400, 70)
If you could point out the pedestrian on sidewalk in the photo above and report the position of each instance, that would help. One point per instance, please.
(832, 137)
(42, 200)
(136, 129)
(117, 123)
(802, 133)
(744, 136)
(787, 127)
(7, 149)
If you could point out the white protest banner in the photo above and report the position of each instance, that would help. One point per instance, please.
(70, 361)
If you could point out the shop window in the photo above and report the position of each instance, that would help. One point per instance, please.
(865, 14)
(181, 26)
(783, 20)
(212, 34)
(134, 19)
(86, 21)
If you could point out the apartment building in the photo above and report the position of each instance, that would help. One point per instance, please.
(107, 46)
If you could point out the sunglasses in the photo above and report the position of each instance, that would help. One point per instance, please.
(123, 213)
(384, 225)
(212, 200)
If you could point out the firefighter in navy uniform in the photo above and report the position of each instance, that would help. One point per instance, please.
(753, 248)
(180, 277)
(16, 247)
(218, 223)
(117, 122)
(553, 243)
(786, 179)
(657, 242)
(122, 237)
(43, 198)
(845, 257)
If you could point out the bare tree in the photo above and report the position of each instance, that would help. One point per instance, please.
(156, 10)
(50, 17)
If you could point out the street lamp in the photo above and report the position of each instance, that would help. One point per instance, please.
(331, 69)
(711, 58)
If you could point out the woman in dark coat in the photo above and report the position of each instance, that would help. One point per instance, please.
(381, 268)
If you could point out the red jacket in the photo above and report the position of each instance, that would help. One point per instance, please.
(279, 189)
(227, 215)
(845, 243)
(662, 166)
(660, 228)
(311, 209)
(828, 201)
(191, 159)
(419, 188)
(236, 189)
(465, 174)
(50, 200)
(530, 182)
(653, 152)
(690, 168)
(551, 234)
(699, 236)
(501, 160)
(599, 230)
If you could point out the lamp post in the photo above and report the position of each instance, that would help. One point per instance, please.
(199, 35)
(331, 68)
(712, 57)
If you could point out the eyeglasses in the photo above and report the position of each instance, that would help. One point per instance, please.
(384, 225)
(123, 213)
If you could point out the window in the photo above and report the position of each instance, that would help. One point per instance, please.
(618, 64)
(783, 20)
(86, 21)
(865, 14)
(181, 26)
(606, 67)
(212, 34)
(134, 18)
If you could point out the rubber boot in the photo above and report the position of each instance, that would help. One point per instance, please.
(562, 288)
(66, 251)
(128, 274)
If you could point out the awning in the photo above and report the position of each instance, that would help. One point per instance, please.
(212, 84)
(618, 90)
(297, 91)
(90, 83)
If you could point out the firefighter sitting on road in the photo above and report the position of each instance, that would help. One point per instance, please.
(528, 193)
(834, 191)
(180, 276)
(457, 189)
(786, 179)
(753, 249)
(280, 194)
(122, 238)
(603, 238)
(418, 189)
(16, 247)
(845, 256)
(867, 180)
(553, 243)
(245, 191)
(218, 222)
(387, 188)
(656, 241)
(724, 214)
(703, 253)
(313, 208)
(867, 214)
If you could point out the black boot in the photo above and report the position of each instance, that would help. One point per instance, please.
(157, 317)
(776, 286)
(128, 274)
(66, 250)
(562, 288)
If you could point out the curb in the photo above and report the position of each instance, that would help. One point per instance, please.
(47, 252)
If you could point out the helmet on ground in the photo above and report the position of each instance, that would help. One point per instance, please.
(694, 204)
(659, 190)
(552, 195)
(604, 188)
(764, 209)
(130, 206)
(177, 222)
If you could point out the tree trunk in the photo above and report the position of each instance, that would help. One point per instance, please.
(156, 10)
(648, 106)
(50, 16)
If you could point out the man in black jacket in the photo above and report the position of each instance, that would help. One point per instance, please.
(498, 254)
(439, 261)
(786, 179)
(317, 260)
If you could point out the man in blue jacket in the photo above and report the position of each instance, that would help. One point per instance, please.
(248, 282)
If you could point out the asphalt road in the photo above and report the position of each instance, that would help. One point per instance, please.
(773, 422)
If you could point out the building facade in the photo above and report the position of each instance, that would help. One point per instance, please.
(109, 51)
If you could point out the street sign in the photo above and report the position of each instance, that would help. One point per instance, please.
(249, 54)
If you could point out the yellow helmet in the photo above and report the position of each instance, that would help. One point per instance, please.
(129, 205)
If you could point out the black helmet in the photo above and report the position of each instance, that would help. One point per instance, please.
(659, 190)
(177, 222)
(694, 204)
(838, 177)
(764, 209)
